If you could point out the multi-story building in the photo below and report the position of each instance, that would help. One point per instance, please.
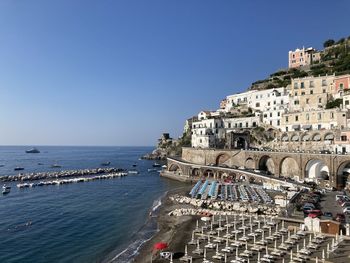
(234, 124)
(311, 92)
(303, 57)
(269, 104)
(315, 120)
(207, 130)
(341, 84)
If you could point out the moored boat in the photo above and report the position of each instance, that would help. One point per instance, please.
(133, 172)
(157, 165)
(33, 150)
(105, 163)
(18, 168)
(6, 189)
(55, 165)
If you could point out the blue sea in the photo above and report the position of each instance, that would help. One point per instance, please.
(97, 221)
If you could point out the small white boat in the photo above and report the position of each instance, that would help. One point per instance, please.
(6, 189)
(133, 172)
(151, 170)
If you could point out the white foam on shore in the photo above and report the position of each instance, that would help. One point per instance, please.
(128, 254)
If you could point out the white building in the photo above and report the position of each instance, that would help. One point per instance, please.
(269, 104)
(232, 124)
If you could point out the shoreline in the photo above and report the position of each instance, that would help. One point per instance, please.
(171, 229)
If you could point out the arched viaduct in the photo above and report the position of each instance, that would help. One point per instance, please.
(328, 169)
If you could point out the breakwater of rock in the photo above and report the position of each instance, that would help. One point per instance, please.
(59, 174)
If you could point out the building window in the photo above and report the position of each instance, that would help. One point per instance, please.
(295, 85)
(311, 84)
(307, 101)
(268, 104)
(254, 124)
(286, 118)
(278, 122)
(319, 100)
(311, 92)
(296, 102)
(296, 118)
(270, 114)
(274, 102)
(319, 116)
(341, 86)
(229, 124)
(303, 93)
(200, 140)
(286, 128)
(270, 122)
(332, 115)
(278, 114)
(295, 93)
(346, 102)
(257, 104)
(324, 82)
(240, 125)
(307, 116)
(343, 138)
(246, 124)
(302, 85)
(282, 102)
(324, 90)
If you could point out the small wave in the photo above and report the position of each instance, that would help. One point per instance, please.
(156, 205)
(128, 254)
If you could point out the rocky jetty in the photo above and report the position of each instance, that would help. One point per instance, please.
(58, 174)
(214, 206)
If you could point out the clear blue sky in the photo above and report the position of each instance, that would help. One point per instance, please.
(121, 72)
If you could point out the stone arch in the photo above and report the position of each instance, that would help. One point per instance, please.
(222, 158)
(316, 137)
(208, 173)
(289, 167)
(285, 137)
(294, 137)
(249, 163)
(196, 172)
(316, 170)
(343, 173)
(329, 136)
(306, 137)
(266, 164)
(175, 168)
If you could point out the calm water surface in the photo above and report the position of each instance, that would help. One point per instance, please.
(82, 222)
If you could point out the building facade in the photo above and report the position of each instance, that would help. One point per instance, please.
(303, 57)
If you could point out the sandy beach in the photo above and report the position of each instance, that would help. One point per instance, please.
(172, 230)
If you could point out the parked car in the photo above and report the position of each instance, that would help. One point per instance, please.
(313, 215)
(328, 214)
(340, 217)
(345, 204)
(346, 210)
(318, 212)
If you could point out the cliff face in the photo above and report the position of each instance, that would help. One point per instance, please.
(169, 147)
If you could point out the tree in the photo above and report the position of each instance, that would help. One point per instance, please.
(328, 43)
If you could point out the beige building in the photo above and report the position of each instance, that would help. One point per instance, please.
(311, 92)
(315, 120)
(303, 57)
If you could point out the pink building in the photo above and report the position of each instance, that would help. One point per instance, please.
(302, 57)
(342, 83)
